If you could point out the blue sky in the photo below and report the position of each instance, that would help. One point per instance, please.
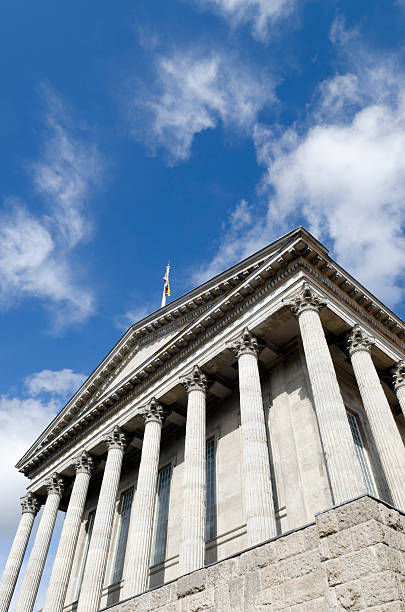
(195, 130)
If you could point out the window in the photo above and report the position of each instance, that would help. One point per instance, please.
(362, 454)
(210, 519)
(122, 535)
(90, 524)
(161, 516)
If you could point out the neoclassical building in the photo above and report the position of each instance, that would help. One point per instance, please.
(241, 448)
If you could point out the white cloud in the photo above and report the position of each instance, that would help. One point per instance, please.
(261, 14)
(134, 315)
(36, 250)
(233, 248)
(341, 174)
(22, 420)
(194, 92)
(57, 382)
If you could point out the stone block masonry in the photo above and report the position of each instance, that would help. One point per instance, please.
(351, 558)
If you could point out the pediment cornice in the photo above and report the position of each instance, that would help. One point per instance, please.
(242, 288)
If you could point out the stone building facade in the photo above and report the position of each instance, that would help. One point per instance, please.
(240, 449)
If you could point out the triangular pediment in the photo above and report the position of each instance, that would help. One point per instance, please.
(156, 340)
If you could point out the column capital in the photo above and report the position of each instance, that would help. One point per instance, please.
(85, 463)
(117, 438)
(398, 376)
(195, 381)
(246, 344)
(358, 340)
(30, 503)
(305, 300)
(55, 484)
(154, 412)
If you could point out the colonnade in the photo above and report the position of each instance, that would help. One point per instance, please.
(344, 471)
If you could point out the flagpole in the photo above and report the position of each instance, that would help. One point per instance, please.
(163, 304)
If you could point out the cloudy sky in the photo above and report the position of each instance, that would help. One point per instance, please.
(195, 130)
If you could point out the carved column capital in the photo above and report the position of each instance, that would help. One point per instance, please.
(117, 438)
(154, 412)
(85, 463)
(55, 484)
(305, 300)
(398, 376)
(358, 340)
(246, 344)
(30, 503)
(195, 381)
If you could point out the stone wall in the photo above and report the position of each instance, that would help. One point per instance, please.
(351, 558)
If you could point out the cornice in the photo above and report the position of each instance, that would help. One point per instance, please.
(301, 254)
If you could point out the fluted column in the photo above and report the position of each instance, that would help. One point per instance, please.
(138, 551)
(344, 470)
(93, 578)
(58, 584)
(36, 562)
(388, 441)
(192, 543)
(399, 384)
(259, 505)
(30, 505)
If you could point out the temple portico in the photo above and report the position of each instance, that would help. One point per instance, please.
(260, 399)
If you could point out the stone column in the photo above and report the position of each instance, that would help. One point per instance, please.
(399, 384)
(192, 543)
(388, 441)
(93, 578)
(30, 505)
(344, 470)
(58, 584)
(138, 551)
(36, 562)
(259, 505)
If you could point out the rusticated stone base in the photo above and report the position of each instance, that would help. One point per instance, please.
(351, 558)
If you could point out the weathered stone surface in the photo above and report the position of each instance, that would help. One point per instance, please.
(351, 559)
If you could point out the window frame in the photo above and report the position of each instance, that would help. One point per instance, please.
(153, 562)
(357, 416)
(118, 535)
(82, 566)
(214, 439)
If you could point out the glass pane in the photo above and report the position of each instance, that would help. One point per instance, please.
(161, 516)
(122, 535)
(361, 454)
(210, 524)
(90, 523)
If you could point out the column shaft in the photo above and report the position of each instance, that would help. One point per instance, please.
(137, 557)
(17, 552)
(343, 465)
(93, 579)
(401, 398)
(259, 505)
(36, 563)
(192, 545)
(390, 447)
(260, 515)
(56, 594)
